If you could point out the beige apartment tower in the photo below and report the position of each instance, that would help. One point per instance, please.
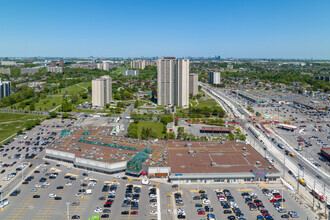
(193, 84)
(173, 82)
(101, 91)
(138, 64)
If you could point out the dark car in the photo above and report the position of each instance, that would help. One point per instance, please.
(59, 187)
(75, 217)
(58, 198)
(105, 216)
(106, 210)
(85, 174)
(227, 211)
(125, 212)
(36, 196)
(102, 198)
(290, 172)
(285, 216)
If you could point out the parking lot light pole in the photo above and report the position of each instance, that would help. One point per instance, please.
(67, 210)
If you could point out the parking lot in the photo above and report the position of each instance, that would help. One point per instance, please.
(203, 202)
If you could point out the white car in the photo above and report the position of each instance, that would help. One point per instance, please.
(6, 178)
(52, 195)
(34, 190)
(79, 194)
(153, 205)
(98, 209)
(206, 202)
(37, 186)
(153, 213)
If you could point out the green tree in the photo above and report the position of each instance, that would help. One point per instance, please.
(65, 115)
(52, 114)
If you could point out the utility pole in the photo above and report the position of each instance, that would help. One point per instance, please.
(67, 210)
(313, 195)
(298, 181)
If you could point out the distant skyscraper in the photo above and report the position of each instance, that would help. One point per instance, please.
(61, 63)
(101, 91)
(5, 88)
(138, 64)
(214, 78)
(173, 82)
(52, 63)
(193, 84)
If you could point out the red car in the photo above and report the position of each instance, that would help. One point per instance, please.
(134, 212)
(201, 213)
(265, 213)
(273, 200)
(278, 196)
(250, 203)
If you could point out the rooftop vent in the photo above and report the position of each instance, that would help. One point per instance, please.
(188, 145)
(258, 163)
(244, 148)
(213, 164)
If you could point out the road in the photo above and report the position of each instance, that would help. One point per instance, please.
(309, 172)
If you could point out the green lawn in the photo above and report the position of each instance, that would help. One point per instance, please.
(156, 127)
(10, 123)
(74, 89)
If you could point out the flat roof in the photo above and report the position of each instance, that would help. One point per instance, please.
(217, 129)
(214, 157)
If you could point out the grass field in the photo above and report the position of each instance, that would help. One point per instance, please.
(10, 123)
(75, 89)
(156, 127)
(203, 103)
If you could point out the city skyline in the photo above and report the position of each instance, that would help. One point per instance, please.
(257, 29)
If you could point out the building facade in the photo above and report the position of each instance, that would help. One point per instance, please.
(30, 71)
(214, 78)
(52, 63)
(54, 69)
(5, 88)
(8, 63)
(101, 91)
(138, 64)
(61, 63)
(193, 84)
(130, 72)
(173, 82)
(5, 70)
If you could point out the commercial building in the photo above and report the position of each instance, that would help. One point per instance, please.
(61, 63)
(5, 88)
(138, 64)
(54, 69)
(193, 84)
(214, 78)
(8, 63)
(101, 91)
(52, 63)
(179, 161)
(130, 72)
(173, 82)
(30, 70)
(5, 70)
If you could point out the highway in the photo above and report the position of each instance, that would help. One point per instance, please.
(309, 171)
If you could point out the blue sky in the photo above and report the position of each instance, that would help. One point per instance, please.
(232, 28)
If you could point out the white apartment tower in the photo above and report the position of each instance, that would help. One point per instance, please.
(193, 84)
(138, 64)
(101, 91)
(214, 78)
(173, 82)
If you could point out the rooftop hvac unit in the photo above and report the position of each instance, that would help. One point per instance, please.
(258, 163)
(244, 148)
(188, 145)
(213, 163)
(222, 142)
(244, 155)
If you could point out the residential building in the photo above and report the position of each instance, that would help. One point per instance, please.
(150, 63)
(5, 70)
(61, 63)
(101, 91)
(52, 63)
(230, 66)
(84, 65)
(54, 69)
(214, 78)
(30, 70)
(138, 64)
(193, 84)
(5, 88)
(8, 63)
(173, 82)
(130, 72)
(103, 66)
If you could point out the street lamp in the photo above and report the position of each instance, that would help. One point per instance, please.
(67, 210)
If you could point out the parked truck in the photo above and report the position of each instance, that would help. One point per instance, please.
(318, 196)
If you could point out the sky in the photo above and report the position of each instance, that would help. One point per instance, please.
(297, 29)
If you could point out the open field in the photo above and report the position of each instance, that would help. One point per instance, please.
(75, 89)
(10, 123)
(156, 127)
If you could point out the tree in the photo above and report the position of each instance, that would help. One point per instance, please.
(32, 106)
(52, 114)
(166, 119)
(136, 104)
(20, 132)
(107, 105)
(65, 115)
(231, 136)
